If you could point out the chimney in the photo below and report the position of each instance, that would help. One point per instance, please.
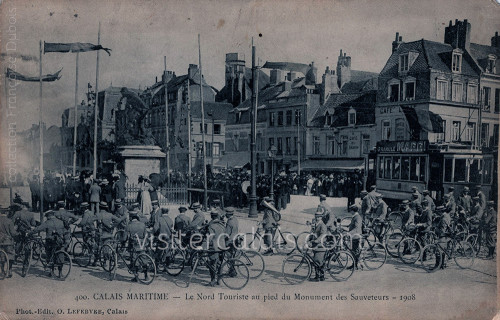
(329, 84)
(291, 76)
(168, 74)
(311, 74)
(495, 40)
(458, 35)
(193, 71)
(397, 42)
(343, 69)
(275, 77)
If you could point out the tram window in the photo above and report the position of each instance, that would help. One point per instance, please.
(387, 167)
(414, 168)
(405, 168)
(448, 167)
(381, 167)
(475, 173)
(422, 169)
(460, 170)
(487, 171)
(396, 168)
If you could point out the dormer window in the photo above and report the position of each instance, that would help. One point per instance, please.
(409, 89)
(490, 68)
(352, 116)
(393, 90)
(404, 64)
(456, 62)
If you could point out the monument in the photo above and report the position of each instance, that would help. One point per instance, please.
(135, 142)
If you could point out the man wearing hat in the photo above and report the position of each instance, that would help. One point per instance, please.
(364, 203)
(215, 243)
(231, 225)
(408, 215)
(95, 196)
(490, 228)
(416, 204)
(106, 221)
(136, 231)
(450, 206)
(482, 197)
(121, 212)
(269, 225)
(8, 233)
(356, 231)
(414, 190)
(327, 210)
(442, 231)
(451, 192)
(182, 220)
(198, 218)
(68, 218)
(430, 201)
(154, 213)
(52, 227)
(163, 225)
(87, 224)
(465, 201)
(477, 211)
(318, 244)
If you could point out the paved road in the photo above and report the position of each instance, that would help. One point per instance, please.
(452, 293)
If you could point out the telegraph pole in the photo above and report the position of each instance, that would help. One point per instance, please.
(253, 136)
(167, 139)
(205, 191)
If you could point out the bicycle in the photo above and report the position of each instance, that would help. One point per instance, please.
(410, 247)
(251, 258)
(4, 262)
(434, 255)
(372, 253)
(282, 241)
(59, 258)
(233, 272)
(297, 268)
(170, 259)
(142, 265)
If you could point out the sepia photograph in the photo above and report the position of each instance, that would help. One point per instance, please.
(249, 159)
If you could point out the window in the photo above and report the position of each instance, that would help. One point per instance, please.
(491, 64)
(295, 145)
(456, 92)
(328, 119)
(352, 116)
(487, 170)
(298, 116)
(455, 134)
(217, 128)
(472, 93)
(381, 167)
(403, 62)
(448, 169)
(280, 145)
(414, 168)
(460, 170)
(330, 144)
(280, 118)
(470, 131)
(486, 98)
(288, 146)
(494, 141)
(400, 129)
(289, 118)
(485, 134)
(387, 167)
(216, 149)
(271, 142)
(396, 168)
(271, 119)
(366, 143)
(409, 91)
(456, 62)
(316, 145)
(497, 100)
(394, 92)
(443, 135)
(442, 89)
(201, 128)
(386, 130)
(475, 172)
(421, 170)
(405, 168)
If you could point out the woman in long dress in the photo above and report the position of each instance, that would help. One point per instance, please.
(146, 206)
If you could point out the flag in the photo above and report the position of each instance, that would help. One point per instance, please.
(13, 75)
(73, 47)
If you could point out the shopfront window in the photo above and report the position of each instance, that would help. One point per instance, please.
(421, 173)
(460, 170)
(486, 171)
(396, 168)
(381, 167)
(387, 167)
(475, 171)
(414, 168)
(448, 169)
(405, 168)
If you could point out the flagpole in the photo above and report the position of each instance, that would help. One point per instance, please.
(205, 193)
(75, 117)
(189, 132)
(41, 136)
(167, 140)
(96, 101)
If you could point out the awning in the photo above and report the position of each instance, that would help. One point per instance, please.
(423, 120)
(234, 160)
(331, 165)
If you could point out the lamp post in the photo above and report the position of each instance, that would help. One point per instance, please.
(271, 152)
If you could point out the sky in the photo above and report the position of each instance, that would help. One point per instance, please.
(140, 33)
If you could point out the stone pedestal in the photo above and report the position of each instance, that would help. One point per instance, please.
(141, 160)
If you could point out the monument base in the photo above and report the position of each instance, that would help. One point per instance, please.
(141, 160)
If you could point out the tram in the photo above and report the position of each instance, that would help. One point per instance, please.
(400, 165)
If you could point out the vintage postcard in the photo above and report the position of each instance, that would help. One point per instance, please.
(249, 159)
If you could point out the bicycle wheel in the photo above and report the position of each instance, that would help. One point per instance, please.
(392, 241)
(296, 269)
(302, 239)
(374, 255)
(254, 262)
(108, 260)
(346, 221)
(174, 261)
(284, 242)
(252, 241)
(4, 264)
(472, 239)
(396, 220)
(409, 250)
(82, 254)
(464, 255)
(340, 266)
(234, 273)
(39, 253)
(144, 268)
(62, 262)
(27, 254)
(431, 258)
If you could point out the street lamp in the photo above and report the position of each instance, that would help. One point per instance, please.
(271, 152)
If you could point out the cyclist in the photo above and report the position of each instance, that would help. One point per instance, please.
(364, 202)
(232, 225)
(408, 215)
(136, 231)
(182, 220)
(54, 235)
(442, 231)
(355, 231)
(320, 233)
(416, 203)
(215, 230)
(106, 222)
(429, 199)
(414, 190)
(154, 213)
(24, 221)
(88, 222)
(490, 228)
(380, 217)
(8, 233)
(269, 224)
(162, 228)
(449, 204)
(67, 218)
(476, 216)
(424, 224)
(465, 201)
